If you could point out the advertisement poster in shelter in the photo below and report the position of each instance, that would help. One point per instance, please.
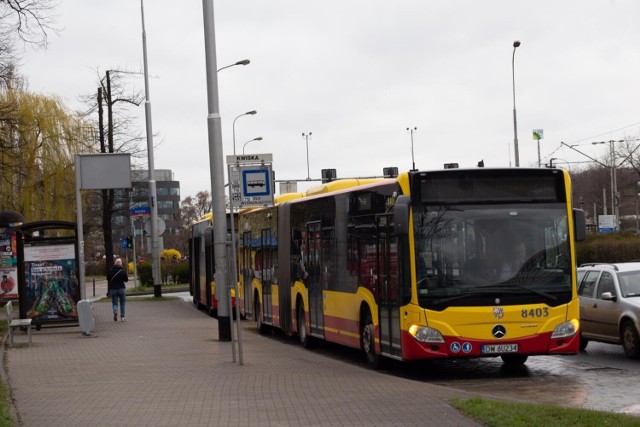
(8, 265)
(51, 283)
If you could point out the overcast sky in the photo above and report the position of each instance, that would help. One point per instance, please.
(357, 73)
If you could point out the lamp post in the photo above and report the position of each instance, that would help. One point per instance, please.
(153, 200)
(248, 113)
(411, 131)
(254, 139)
(243, 62)
(306, 136)
(216, 167)
(614, 179)
(224, 330)
(515, 122)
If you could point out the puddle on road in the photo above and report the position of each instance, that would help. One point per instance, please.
(543, 379)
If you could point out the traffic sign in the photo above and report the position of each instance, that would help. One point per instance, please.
(160, 223)
(141, 211)
(250, 180)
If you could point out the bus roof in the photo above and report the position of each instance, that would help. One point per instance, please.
(340, 184)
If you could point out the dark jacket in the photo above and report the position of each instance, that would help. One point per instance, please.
(116, 277)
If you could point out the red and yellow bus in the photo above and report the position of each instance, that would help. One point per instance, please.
(453, 263)
(202, 286)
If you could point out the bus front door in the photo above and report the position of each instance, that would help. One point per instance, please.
(314, 279)
(388, 292)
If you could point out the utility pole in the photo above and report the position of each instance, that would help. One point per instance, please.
(108, 195)
(216, 166)
(153, 199)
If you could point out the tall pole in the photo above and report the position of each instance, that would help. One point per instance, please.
(413, 162)
(614, 185)
(216, 164)
(306, 136)
(80, 230)
(515, 121)
(135, 259)
(153, 199)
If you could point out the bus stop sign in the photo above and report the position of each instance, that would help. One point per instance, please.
(250, 179)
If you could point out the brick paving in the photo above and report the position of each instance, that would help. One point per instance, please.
(166, 367)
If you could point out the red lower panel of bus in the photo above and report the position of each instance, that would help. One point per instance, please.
(214, 303)
(342, 331)
(468, 347)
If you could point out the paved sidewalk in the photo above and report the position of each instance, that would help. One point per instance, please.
(166, 367)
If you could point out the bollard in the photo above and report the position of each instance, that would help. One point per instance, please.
(94, 287)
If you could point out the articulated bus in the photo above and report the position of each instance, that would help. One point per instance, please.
(202, 266)
(452, 263)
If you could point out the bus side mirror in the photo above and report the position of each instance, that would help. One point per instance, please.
(579, 225)
(401, 216)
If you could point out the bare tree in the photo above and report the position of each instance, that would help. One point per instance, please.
(192, 209)
(628, 153)
(28, 20)
(117, 133)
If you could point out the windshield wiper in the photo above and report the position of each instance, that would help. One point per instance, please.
(497, 288)
(459, 297)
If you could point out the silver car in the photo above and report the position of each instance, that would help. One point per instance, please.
(610, 305)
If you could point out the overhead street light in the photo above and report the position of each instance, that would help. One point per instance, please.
(254, 139)
(153, 198)
(243, 62)
(515, 122)
(248, 113)
(306, 136)
(411, 131)
(614, 178)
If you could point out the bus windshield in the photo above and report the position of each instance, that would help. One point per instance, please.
(476, 255)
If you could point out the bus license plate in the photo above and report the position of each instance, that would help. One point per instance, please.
(499, 348)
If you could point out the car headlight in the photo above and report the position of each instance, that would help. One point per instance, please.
(565, 329)
(426, 334)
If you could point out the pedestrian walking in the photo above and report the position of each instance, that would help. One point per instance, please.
(116, 278)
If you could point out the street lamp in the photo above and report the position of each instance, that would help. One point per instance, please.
(614, 179)
(248, 113)
(155, 244)
(254, 139)
(243, 62)
(515, 123)
(306, 136)
(411, 131)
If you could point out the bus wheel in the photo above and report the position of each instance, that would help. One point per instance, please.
(305, 339)
(630, 341)
(262, 328)
(514, 359)
(368, 344)
(583, 343)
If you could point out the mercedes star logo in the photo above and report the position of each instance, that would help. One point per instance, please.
(499, 331)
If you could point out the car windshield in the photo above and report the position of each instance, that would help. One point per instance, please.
(629, 283)
(469, 255)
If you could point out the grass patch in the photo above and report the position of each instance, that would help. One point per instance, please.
(6, 418)
(503, 413)
(168, 288)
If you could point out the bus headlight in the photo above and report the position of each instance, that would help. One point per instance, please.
(426, 334)
(565, 329)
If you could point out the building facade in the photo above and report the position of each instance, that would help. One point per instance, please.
(168, 202)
